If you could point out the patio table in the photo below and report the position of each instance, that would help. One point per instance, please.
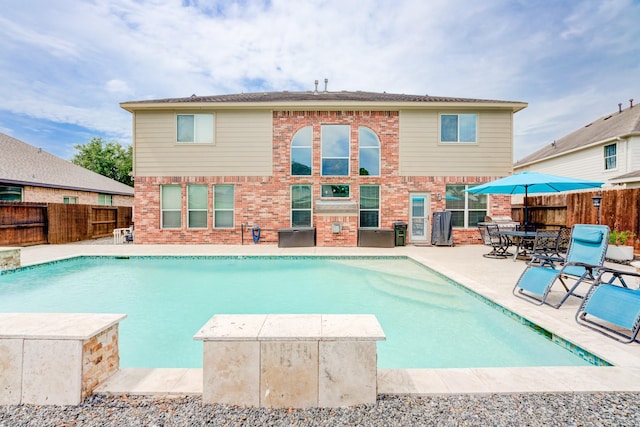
(519, 238)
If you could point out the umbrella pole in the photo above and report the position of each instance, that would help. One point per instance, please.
(526, 212)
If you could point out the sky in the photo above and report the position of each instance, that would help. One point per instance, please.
(66, 65)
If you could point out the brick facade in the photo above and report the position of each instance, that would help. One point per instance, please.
(57, 195)
(265, 201)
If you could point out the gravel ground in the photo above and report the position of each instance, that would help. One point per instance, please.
(549, 409)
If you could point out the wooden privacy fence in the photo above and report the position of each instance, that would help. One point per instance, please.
(619, 209)
(24, 223)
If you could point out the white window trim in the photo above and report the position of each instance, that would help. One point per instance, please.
(458, 142)
(334, 197)
(162, 227)
(378, 148)
(370, 210)
(205, 209)
(195, 136)
(466, 211)
(322, 158)
(291, 208)
(605, 157)
(232, 209)
(301, 147)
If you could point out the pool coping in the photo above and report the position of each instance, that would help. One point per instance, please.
(492, 279)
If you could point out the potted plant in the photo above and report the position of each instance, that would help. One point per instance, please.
(618, 249)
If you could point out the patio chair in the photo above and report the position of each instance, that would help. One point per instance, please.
(587, 249)
(610, 309)
(546, 242)
(490, 235)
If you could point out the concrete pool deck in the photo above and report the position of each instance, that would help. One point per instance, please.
(492, 278)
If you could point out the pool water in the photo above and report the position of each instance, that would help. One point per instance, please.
(429, 322)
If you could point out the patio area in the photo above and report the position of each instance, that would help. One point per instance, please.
(492, 278)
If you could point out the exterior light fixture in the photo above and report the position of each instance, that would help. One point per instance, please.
(439, 197)
(597, 202)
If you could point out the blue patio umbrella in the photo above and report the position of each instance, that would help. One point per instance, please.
(532, 182)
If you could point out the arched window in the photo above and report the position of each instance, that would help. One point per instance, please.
(301, 152)
(369, 152)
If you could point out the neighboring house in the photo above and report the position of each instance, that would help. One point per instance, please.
(209, 168)
(28, 174)
(606, 150)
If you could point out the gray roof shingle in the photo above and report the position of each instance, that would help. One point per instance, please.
(623, 123)
(319, 97)
(27, 165)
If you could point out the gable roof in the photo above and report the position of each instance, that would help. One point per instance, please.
(24, 164)
(286, 99)
(619, 124)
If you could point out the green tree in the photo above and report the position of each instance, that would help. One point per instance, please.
(106, 158)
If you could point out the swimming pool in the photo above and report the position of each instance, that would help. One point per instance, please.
(429, 321)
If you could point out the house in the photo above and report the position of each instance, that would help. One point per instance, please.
(607, 150)
(212, 169)
(29, 174)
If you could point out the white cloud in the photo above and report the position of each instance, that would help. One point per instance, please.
(75, 62)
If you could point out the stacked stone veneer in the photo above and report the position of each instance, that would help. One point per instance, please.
(9, 258)
(55, 358)
(265, 200)
(290, 361)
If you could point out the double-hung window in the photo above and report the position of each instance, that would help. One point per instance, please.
(195, 128)
(301, 206)
(301, 152)
(458, 127)
(171, 206)
(369, 206)
(610, 156)
(105, 199)
(223, 205)
(467, 210)
(369, 152)
(335, 150)
(197, 196)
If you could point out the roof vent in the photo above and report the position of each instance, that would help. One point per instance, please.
(326, 82)
(315, 91)
(193, 96)
(631, 103)
(620, 107)
(553, 144)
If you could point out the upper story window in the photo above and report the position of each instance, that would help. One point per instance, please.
(467, 209)
(171, 206)
(10, 194)
(70, 200)
(105, 199)
(196, 128)
(335, 190)
(335, 150)
(458, 127)
(301, 152)
(610, 156)
(369, 152)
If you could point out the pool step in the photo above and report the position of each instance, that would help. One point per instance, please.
(420, 291)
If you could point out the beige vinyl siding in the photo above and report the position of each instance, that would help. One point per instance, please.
(242, 145)
(583, 164)
(421, 153)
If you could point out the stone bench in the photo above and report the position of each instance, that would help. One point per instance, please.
(290, 360)
(56, 358)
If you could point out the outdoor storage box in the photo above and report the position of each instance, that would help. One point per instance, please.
(296, 237)
(376, 237)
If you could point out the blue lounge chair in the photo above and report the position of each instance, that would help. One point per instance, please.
(610, 309)
(587, 249)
